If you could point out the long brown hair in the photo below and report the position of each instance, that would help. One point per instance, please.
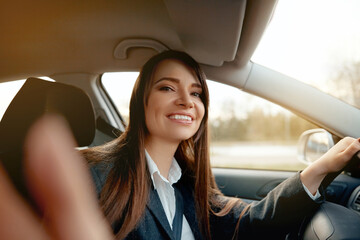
(125, 194)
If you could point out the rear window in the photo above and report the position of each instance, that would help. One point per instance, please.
(8, 91)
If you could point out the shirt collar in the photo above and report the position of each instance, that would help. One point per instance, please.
(174, 171)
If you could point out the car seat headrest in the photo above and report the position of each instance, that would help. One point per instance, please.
(38, 97)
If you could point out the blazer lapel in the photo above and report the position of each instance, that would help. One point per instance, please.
(189, 210)
(157, 210)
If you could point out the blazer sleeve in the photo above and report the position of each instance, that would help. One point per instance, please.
(281, 211)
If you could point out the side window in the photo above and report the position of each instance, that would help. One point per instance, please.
(246, 131)
(8, 91)
(119, 86)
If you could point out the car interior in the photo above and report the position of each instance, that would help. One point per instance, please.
(75, 43)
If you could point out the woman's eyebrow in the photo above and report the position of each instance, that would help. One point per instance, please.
(171, 79)
(176, 80)
(197, 85)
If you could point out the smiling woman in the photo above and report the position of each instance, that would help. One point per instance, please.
(75, 42)
(164, 154)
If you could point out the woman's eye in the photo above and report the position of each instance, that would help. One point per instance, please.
(166, 88)
(196, 94)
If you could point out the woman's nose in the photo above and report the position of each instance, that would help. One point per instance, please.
(185, 100)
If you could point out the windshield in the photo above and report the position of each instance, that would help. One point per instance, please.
(317, 42)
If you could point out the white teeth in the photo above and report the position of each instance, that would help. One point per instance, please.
(180, 117)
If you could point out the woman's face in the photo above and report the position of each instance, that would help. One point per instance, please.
(174, 109)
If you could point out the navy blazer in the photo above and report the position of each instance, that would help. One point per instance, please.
(282, 210)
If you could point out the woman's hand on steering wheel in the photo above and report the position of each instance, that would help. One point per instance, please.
(332, 161)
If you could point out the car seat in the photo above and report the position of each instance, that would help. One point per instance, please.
(36, 98)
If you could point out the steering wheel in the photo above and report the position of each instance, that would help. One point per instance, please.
(332, 221)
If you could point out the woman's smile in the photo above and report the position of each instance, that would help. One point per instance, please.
(181, 118)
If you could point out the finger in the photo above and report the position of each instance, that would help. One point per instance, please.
(17, 221)
(352, 149)
(61, 184)
(343, 144)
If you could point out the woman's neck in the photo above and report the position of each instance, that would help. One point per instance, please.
(162, 153)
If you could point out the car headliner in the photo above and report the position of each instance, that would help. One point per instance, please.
(42, 38)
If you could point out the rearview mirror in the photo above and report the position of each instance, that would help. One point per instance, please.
(313, 144)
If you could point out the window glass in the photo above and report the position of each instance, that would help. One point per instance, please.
(246, 131)
(119, 86)
(317, 42)
(8, 91)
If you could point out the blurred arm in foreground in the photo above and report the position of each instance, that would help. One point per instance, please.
(60, 185)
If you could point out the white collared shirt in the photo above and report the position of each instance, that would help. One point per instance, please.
(313, 197)
(166, 192)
